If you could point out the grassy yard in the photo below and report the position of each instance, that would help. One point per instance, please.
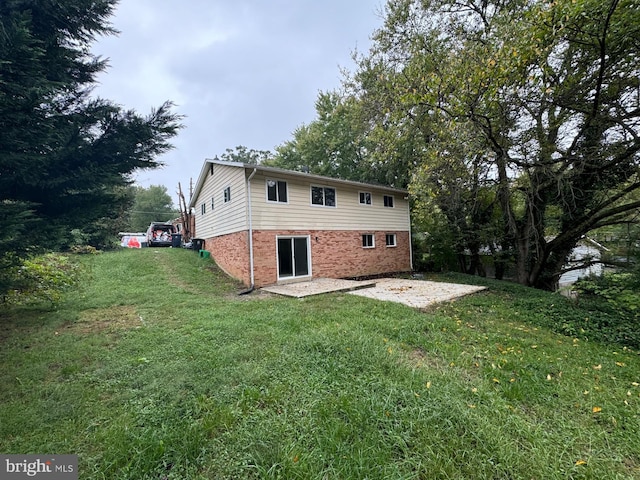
(156, 369)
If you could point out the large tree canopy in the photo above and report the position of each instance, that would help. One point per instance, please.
(530, 107)
(65, 157)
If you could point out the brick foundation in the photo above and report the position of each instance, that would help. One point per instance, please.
(231, 253)
(334, 254)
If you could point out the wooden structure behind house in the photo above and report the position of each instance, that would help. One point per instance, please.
(265, 225)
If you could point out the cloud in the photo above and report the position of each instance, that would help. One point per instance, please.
(244, 73)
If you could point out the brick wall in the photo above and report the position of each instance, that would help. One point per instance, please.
(231, 253)
(334, 254)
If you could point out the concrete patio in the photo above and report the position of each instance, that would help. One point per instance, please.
(317, 286)
(414, 293)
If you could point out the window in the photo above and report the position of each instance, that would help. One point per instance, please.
(391, 239)
(323, 196)
(277, 191)
(203, 208)
(211, 203)
(227, 194)
(365, 198)
(368, 241)
(388, 201)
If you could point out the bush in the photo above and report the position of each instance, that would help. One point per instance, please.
(619, 289)
(616, 296)
(84, 250)
(43, 277)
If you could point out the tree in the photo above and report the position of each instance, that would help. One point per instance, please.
(65, 157)
(548, 93)
(243, 154)
(153, 204)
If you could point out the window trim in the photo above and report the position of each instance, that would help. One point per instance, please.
(367, 236)
(385, 202)
(395, 240)
(362, 192)
(266, 191)
(323, 205)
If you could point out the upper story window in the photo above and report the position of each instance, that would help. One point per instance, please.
(227, 194)
(325, 196)
(211, 203)
(203, 208)
(388, 201)
(365, 198)
(277, 191)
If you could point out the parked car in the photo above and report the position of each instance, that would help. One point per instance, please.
(159, 234)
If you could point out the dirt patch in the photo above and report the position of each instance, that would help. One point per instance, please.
(107, 320)
(418, 358)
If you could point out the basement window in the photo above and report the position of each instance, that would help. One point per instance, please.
(368, 241)
(391, 239)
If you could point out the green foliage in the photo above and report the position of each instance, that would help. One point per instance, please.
(617, 293)
(44, 277)
(516, 120)
(338, 144)
(153, 204)
(66, 158)
(85, 250)
(246, 155)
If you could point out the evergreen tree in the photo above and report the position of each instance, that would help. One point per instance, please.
(65, 157)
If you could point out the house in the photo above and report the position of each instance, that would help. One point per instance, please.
(584, 261)
(266, 225)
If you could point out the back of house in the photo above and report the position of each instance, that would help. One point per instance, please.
(265, 225)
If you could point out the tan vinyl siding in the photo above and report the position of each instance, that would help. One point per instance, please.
(348, 214)
(226, 217)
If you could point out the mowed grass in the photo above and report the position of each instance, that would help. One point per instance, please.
(156, 369)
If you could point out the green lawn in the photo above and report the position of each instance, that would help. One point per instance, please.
(156, 369)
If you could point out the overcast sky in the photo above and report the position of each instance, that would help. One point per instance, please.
(243, 72)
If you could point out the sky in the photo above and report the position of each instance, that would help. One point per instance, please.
(242, 72)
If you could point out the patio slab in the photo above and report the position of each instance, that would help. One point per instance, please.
(416, 293)
(318, 286)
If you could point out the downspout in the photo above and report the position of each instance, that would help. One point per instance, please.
(250, 231)
(410, 232)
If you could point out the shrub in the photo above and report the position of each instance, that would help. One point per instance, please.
(43, 277)
(619, 289)
(84, 250)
